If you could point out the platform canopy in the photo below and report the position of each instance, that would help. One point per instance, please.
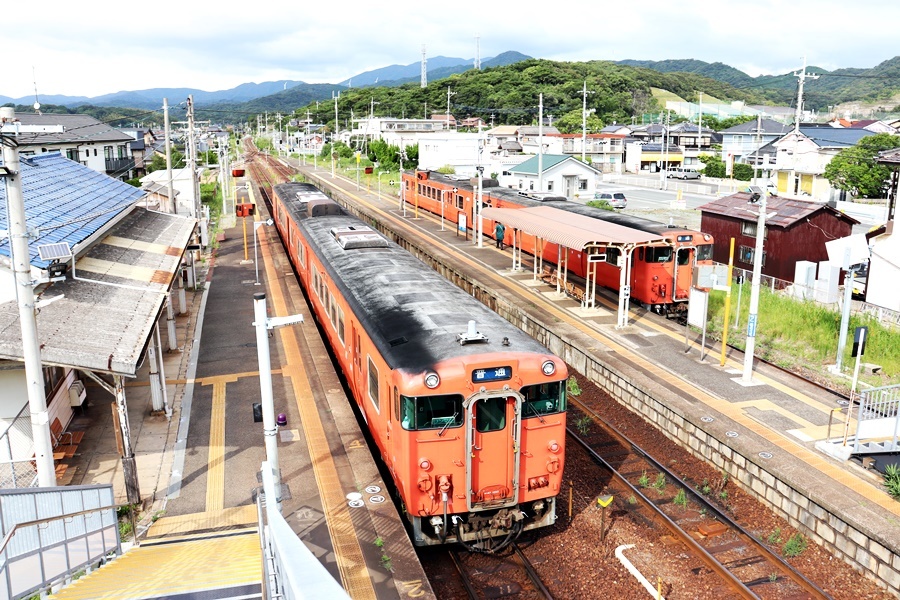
(569, 229)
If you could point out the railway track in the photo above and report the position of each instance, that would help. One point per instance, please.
(510, 574)
(652, 493)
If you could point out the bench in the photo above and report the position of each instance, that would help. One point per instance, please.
(548, 275)
(60, 437)
(574, 291)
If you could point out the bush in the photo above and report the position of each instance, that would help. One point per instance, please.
(892, 480)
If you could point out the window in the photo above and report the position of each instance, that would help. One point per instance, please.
(747, 254)
(530, 185)
(431, 412)
(544, 399)
(107, 152)
(340, 323)
(658, 254)
(72, 154)
(460, 200)
(683, 256)
(549, 186)
(705, 252)
(373, 385)
(612, 256)
(582, 184)
(52, 378)
(490, 414)
(748, 228)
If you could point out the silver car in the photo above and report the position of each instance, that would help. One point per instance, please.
(681, 173)
(615, 199)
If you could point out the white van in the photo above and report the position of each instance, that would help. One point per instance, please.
(682, 173)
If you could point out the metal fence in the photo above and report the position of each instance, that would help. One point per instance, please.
(878, 416)
(17, 469)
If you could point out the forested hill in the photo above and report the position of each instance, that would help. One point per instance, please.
(510, 94)
(880, 83)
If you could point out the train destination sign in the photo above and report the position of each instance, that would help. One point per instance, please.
(491, 374)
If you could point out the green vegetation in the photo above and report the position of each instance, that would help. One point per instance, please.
(659, 484)
(602, 204)
(572, 387)
(386, 561)
(803, 334)
(583, 424)
(775, 536)
(794, 546)
(854, 169)
(892, 480)
(643, 480)
(681, 499)
(158, 162)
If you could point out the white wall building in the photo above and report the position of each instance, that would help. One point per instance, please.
(181, 183)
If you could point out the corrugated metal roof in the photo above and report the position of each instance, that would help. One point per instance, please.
(788, 210)
(568, 229)
(78, 129)
(100, 327)
(66, 202)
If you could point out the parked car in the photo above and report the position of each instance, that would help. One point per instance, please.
(614, 199)
(682, 173)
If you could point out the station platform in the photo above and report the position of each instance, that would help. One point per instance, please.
(199, 471)
(765, 430)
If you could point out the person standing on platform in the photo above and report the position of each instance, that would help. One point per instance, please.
(499, 232)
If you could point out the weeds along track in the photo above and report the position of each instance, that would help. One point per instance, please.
(652, 493)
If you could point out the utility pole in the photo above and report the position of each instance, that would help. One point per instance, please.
(192, 158)
(18, 244)
(802, 76)
(584, 113)
(449, 93)
(540, 169)
(334, 133)
(424, 79)
(477, 53)
(699, 122)
(171, 206)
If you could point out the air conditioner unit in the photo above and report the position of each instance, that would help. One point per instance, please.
(77, 393)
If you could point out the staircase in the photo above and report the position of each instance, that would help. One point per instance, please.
(208, 555)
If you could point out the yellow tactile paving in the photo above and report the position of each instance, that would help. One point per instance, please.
(121, 242)
(215, 472)
(105, 267)
(237, 516)
(737, 414)
(355, 577)
(170, 569)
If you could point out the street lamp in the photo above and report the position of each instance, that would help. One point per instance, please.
(757, 195)
(257, 225)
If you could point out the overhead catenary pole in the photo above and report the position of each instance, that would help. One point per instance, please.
(801, 76)
(34, 378)
(540, 168)
(171, 207)
(754, 291)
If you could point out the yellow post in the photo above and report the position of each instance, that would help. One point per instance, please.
(244, 221)
(727, 303)
(570, 500)
(417, 201)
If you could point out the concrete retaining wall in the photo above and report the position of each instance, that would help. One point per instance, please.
(860, 534)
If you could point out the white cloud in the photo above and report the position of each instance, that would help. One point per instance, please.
(99, 48)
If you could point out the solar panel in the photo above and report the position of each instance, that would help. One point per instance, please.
(54, 251)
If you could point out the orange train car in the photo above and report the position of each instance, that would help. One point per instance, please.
(661, 275)
(467, 411)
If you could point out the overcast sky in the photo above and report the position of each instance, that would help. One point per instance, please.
(99, 47)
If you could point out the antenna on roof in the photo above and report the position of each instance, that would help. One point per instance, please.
(37, 104)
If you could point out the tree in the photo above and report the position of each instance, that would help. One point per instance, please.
(571, 122)
(158, 162)
(714, 166)
(854, 169)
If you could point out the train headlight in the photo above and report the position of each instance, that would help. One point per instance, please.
(432, 380)
(554, 447)
(548, 368)
(425, 464)
(707, 237)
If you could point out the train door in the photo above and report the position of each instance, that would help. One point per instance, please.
(493, 429)
(684, 264)
(356, 360)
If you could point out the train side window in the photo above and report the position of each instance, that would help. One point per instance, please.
(544, 399)
(490, 414)
(612, 255)
(315, 285)
(396, 404)
(659, 254)
(340, 324)
(333, 306)
(431, 412)
(460, 202)
(640, 253)
(373, 385)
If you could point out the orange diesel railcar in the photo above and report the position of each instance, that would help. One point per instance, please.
(467, 411)
(661, 275)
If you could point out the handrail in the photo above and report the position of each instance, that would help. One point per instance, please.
(13, 422)
(9, 535)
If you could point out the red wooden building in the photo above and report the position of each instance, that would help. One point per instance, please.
(798, 231)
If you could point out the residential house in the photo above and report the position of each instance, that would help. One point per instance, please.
(86, 140)
(801, 158)
(605, 151)
(652, 157)
(529, 136)
(560, 175)
(141, 148)
(874, 125)
(182, 185)
(448, 119)
(798, 231)
(615, 129)
(742, 141)
(396, 132)
(476, 123)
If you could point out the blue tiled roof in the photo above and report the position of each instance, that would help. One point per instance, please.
(66, 202)
(835, 136)
(530, 166)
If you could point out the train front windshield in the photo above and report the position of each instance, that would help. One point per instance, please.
(431, 412)
(544, 399)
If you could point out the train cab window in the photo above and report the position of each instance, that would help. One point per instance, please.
(659, 254)
(544, 399)
(373, 385)
(490, 414)
(705, 252)
(683, 256)
(640, 253)
(431, 412)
